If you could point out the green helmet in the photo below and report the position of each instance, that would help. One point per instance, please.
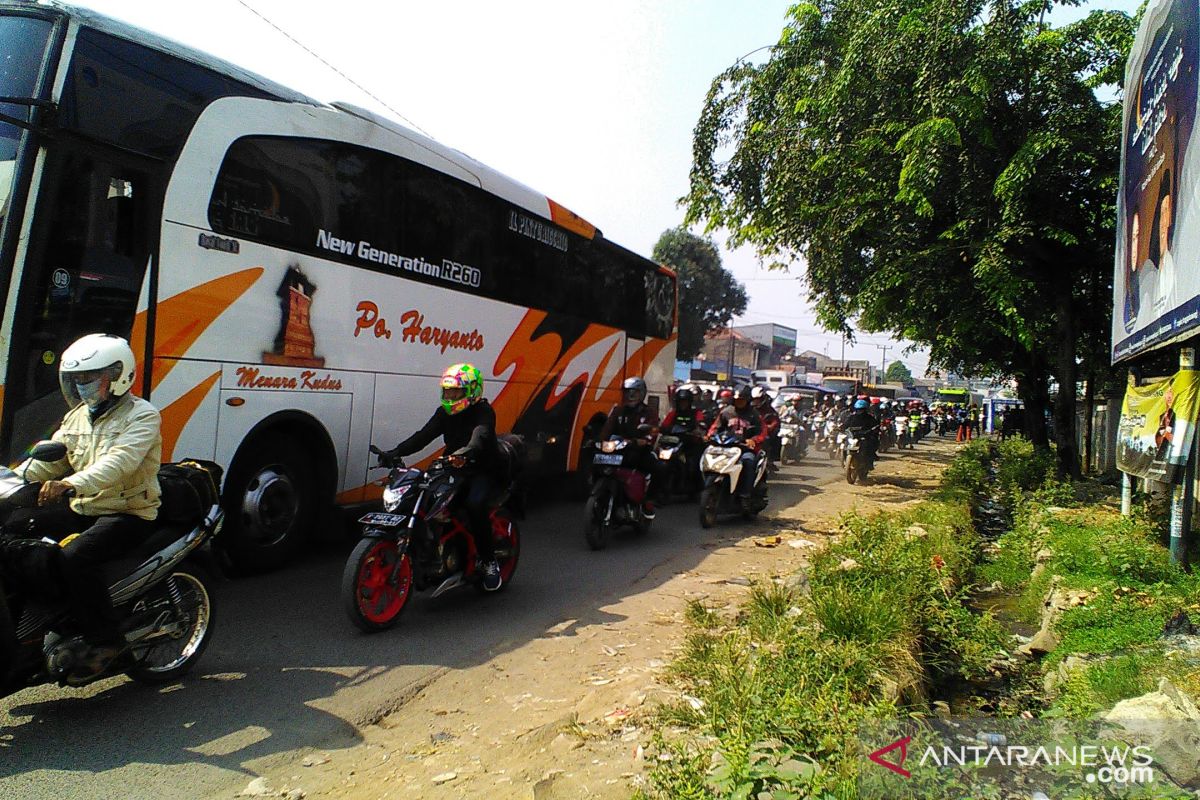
(462, 387)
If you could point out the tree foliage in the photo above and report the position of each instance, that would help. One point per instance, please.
(898, 372)
(944, 168)
(709, 295)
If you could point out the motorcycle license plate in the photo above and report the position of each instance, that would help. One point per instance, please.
(382, 520)
(613, 459)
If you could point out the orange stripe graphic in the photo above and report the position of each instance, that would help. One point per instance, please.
(568, 219)
(176, 415)
(183, 317)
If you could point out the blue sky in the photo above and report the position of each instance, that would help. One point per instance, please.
(591, 103)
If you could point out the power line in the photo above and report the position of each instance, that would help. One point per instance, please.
(343, 75)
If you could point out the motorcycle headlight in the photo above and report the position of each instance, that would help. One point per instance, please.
(612, 446)
(392, 497)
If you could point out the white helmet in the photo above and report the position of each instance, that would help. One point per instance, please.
(88, 361)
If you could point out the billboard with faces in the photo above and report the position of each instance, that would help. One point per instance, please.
(1156, 282)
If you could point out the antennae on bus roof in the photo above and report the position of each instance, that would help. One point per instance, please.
(318, 57)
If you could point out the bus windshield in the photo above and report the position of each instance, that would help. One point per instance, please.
(23, 43)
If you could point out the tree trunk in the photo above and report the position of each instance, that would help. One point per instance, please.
(1034, 394)
(1089, 409)
(1067, 372)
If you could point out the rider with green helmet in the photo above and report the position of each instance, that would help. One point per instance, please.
(467, 424)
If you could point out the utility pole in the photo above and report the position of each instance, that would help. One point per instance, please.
(883, 374)
(731, 343)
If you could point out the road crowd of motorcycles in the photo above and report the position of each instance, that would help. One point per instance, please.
(418, 541)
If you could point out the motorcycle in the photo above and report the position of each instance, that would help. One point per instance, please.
(721, 467)
(793, 442)
(160, 592)
(420, 540)
(902, 438)
(887, 432)
(678, 471)
(618, 492)
(855, 459)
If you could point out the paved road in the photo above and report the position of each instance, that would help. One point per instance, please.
(286, 670)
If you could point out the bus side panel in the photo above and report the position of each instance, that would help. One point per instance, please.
(329, 400)
(188, 401)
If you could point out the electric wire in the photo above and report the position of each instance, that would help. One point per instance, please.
(337, 71)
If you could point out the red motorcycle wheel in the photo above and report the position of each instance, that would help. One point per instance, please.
(372, 597)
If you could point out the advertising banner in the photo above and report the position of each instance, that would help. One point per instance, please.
(1156, 285)
(1157, 421)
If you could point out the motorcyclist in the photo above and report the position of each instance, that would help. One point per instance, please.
(114, 450)
(741, 418)
(793, 414)
(689, 421)
(636, 421)
(862, 421)
(769, 419)
(467, 424)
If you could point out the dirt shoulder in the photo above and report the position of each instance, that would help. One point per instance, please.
(564, 716)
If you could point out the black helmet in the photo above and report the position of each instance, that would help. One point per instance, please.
(743, 394)
(682, 395)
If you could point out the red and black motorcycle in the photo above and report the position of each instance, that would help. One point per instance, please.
(618, 490)
(421, 541)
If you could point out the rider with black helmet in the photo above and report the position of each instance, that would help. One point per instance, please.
(688, 421)
(741, 417)
(636, 421)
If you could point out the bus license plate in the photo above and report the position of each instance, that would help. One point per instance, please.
(613, 459)
(382, 520)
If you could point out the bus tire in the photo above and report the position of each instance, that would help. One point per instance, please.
(270, 501)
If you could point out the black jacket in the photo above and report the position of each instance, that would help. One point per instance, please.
(472, 430)
(859, 420)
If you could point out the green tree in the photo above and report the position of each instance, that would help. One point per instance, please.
(946, 170)
(898, 372)
(709, 295)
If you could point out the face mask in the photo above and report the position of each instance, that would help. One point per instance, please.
(89, 393)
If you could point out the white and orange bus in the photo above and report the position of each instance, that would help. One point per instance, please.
(293, 275)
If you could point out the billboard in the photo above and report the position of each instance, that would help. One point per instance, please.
(1156, 285)
(1157, 422)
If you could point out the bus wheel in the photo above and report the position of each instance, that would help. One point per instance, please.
(270, 497)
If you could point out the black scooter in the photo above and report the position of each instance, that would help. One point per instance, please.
(159, 590)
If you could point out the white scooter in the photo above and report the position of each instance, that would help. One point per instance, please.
(721, 467)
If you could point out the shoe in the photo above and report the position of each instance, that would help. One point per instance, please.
(491, 575)
(648, 510)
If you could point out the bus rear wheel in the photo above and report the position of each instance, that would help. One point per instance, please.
(270, 496)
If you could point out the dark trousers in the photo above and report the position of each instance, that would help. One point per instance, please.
(100, 539)
(475, 496)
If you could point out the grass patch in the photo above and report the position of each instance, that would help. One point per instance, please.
(773, 695)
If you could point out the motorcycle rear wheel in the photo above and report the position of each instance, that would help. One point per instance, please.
(851, 472)
(165, 662)
(594, 530)
(709, 500)
(371, 598)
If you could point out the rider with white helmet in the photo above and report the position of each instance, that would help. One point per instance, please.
(114, 450)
